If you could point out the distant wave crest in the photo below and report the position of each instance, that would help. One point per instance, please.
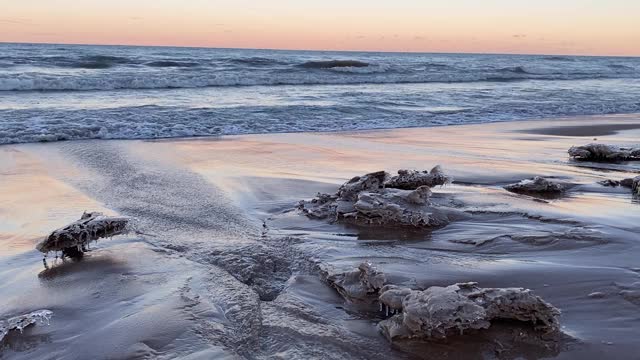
(168, 63)
(255, 61)
(330, 64)
(36, 81)
(558, 58)
(92, 62)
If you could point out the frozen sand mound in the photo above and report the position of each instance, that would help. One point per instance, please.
(439, 312)
(631, 183)
(537, 186)
(603, 152)
(378, 199)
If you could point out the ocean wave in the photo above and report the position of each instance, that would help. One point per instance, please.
(152, 122)
(96, 62)
(330, 64)
(169, 63)
(516, 70)
(558, 58)
(29, 81)
(620, 67)
(255, 61)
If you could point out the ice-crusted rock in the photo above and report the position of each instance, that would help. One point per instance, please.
(603, 152)
(537, 185)
(23, 321)
(630, 292)
(632, 183)
(369, 182)
(379, 199)
(438, 312)
(615, 183)
(92, 226)
(396, 207)
(361, 285)
(391, 296)
(412, 179)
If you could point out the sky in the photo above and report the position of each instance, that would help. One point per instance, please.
(585, 27)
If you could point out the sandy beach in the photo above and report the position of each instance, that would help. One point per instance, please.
(223, 265)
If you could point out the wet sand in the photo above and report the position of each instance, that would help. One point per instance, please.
(227, 268)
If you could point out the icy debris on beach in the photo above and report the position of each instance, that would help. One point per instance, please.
(632, 183)
(411, 179)
(381, 199)
(603, 152)
(73, 238)
(439, 312)
(615, 183)
(537, 185)
(359, 286)
(23, 321)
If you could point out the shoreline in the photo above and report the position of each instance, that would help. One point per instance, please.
(569, 131)
(220, 208)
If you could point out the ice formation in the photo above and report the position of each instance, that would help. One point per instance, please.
(361, 285)
(603, 152)
(73, 238)
(615, 183)
(380, 199)
(23, 321)
(411, 179)
(537, 185)
(438, 312)
(632, 183)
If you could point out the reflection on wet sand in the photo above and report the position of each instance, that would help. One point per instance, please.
(233, 269)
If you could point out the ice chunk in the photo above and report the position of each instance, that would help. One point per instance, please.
(603, 152)
(361, 285)
(537, 185)
(75, 236)
(438, 312)
(412, 179)
(377, 199)
(23, 321)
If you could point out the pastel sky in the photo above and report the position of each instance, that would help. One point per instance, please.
(591, 27)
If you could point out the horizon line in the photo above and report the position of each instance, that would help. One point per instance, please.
(316, 50)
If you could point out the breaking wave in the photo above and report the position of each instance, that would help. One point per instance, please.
(168, 63)
(330, 64)
(255, 61)
(91, 62)
(30, 81)
(558, 58)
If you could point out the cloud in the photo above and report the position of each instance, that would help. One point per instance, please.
(520, 36)
(16, 21)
